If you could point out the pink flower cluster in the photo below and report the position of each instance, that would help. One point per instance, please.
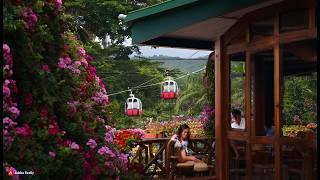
(73, 105)
(74, 145)
(92, 143)
(109, 135)
(30, 18)
(9, 89)
(7, 55)
(100, 98)
(106, 152)
(67, 63)
(52, 154)
(59, 5)
(70, 144)
(24, 131)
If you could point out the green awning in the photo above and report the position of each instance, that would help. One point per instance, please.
(188, 23)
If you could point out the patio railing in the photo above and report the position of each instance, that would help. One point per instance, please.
(156, 162)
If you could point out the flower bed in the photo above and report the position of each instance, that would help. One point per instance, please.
(170, 127)
(299, 130)
(125, 139)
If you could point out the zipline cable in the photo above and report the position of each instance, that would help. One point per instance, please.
(140, 87)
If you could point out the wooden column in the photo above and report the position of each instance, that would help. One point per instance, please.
(221, 110)
(277, 102)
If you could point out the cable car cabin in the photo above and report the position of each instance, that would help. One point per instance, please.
(133, 106)
(169, 89)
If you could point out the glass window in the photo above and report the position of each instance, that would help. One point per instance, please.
(294, 20)
(299, 89)
(237, 93)
(262, 83)
(262, 28)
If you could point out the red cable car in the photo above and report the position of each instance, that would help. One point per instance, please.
(169, 89)
(133, 106)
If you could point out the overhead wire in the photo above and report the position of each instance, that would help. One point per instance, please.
(140, 86)
(145, 86)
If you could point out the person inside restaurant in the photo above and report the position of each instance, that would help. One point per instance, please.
(237, 122)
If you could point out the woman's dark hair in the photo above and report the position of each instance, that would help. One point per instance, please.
(236, 112)
(181, 128)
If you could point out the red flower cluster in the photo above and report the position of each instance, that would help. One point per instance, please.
(53, 128)
(124, 138)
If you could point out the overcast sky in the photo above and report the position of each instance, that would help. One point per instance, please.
(176, 52)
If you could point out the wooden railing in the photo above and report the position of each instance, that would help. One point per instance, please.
(159, 160)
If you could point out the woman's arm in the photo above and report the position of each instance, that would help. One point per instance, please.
(183, 157)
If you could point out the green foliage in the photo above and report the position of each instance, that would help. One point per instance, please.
(237, 84)
(300, 98)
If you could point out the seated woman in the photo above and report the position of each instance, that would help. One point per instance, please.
(181, 143)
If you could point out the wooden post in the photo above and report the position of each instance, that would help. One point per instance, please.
(222, 114)
(277, 103)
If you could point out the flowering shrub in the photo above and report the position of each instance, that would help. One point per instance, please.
(125, 139)
(54, 104)
(207, 117)
(171, 126)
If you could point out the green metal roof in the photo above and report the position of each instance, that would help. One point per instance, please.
(149, 24)
(161, 7)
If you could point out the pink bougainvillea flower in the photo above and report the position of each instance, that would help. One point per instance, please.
(92, 143)
(101, 98)
(74, 145)
(59, 5)
(15, 112)
(7, 54)
(105, 151)
(82, 52)
(28, 99)
(25, 130)
(46, 68)
(7, 121)
(53, 128)
(64, 62)
(52, 154)
(89, 58)
(84, 62)
(30, 18)
(6, 91)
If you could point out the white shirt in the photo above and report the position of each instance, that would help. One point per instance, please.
(237, 126)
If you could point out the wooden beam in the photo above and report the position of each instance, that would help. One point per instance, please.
(261, 140)
(312, 18)
(266, 12)
(221, 109)
(235, 134)
(268, 42)
(288, 37)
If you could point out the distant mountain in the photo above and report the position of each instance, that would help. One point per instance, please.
(165, 57)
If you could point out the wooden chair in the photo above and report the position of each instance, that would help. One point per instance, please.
(239, 155)
(174, 168)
